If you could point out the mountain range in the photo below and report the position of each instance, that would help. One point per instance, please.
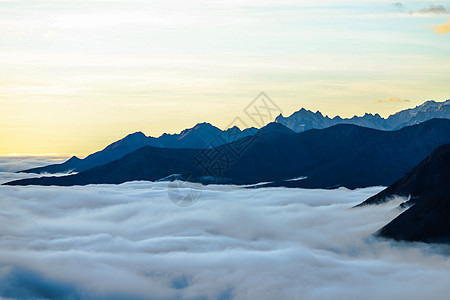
(202, 135)
(427, 218)
(341, 155)
(205, 135)
(303, 119)
(304, 150)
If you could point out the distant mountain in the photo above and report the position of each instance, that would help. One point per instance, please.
(428, 185)
(303, 120)
(202, 135)
(342, 155)
(205, 135)
(424, 112)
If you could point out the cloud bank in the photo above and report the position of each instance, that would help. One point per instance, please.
(18, 163)
(130, 241)
(9, 165)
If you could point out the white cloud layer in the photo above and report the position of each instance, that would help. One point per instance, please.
(19, 163)
(130, 241)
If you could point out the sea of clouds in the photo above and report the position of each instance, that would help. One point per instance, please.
(18, 163)
(130, 241)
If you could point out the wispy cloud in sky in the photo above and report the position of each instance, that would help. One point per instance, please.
(399, 5)
(430, 9)
(434, 9)
(392, 100)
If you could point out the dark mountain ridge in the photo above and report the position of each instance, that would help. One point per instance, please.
(202, 135)
(430, 174)
(303, 119)
(426, 221)
(342, 155)
(205, 135)
(428, 217)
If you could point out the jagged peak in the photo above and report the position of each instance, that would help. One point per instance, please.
(301, 112)
(185, 131)
(254, 129)
(166, 134)
(429, 102)
(204, 125)
(73, 158)
(280, 116)
(318, 113)
(234, 128)
(137, 133)
(134, 135)
(304, 111)
(372, 115)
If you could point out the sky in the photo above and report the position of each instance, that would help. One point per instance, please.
(130, 241)
(78, 75)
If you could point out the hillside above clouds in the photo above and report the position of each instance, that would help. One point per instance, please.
(431, 174)
(427, 187)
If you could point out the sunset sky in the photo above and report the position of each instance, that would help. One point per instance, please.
(77, 75)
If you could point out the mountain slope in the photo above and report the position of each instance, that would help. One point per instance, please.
(428, 219)
(303, 120)
(426, 111)
(432, 173)
(342, 155)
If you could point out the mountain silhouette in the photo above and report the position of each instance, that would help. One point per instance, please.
(428, 186)
(341, 155)
(433, 172)
(303, 119)
(205, 135)
(202, 135)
